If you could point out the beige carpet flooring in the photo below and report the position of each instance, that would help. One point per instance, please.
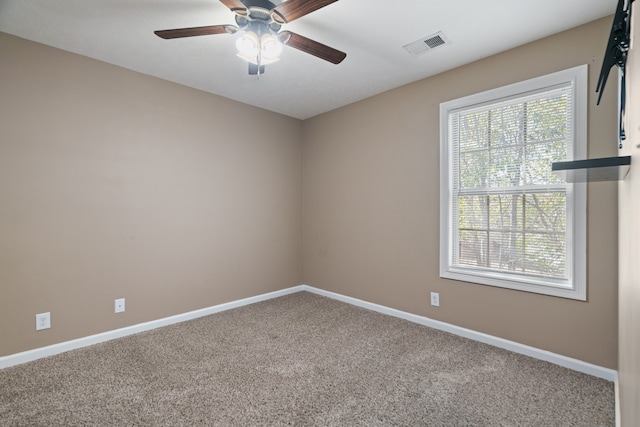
(301, 359)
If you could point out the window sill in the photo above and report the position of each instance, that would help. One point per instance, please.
(535, 285)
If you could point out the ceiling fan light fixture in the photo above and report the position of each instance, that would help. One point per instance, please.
(259, 50)
(248, 47)
(270, 48)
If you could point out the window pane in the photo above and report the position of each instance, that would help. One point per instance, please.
(545, 254)
(507, 125)
(505, 212)
(505, 167)
(472, 212)
(474, 131)
(526, 233)
(539, 159)
(547, 118)
(474, 169)
(507, 251)
(472, 248)
(546, 212)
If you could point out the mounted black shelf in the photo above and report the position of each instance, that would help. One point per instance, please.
(604, 169)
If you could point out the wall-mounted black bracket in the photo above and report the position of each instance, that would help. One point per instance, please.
(616, 55)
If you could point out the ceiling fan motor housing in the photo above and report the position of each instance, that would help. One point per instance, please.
(259, 15)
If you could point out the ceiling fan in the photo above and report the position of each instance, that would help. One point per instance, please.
(262, 41)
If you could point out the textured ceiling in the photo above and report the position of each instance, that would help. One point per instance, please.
(371, 32)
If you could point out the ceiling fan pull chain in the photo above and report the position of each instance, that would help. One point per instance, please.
(259, 54)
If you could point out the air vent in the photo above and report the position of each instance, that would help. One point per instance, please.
(427, 44)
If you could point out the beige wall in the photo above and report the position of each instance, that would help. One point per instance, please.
(629, 214)
(371, 206)
(118, 185)
(115, 184)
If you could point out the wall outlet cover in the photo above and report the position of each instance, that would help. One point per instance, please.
(43, 321)
(119, 305)
(435, 299)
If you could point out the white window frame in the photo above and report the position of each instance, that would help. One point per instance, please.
(575, 287)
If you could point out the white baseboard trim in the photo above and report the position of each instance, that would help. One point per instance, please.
(38, 353)
(558, 359)
(567, 362)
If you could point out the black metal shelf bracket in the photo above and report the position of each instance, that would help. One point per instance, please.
(603, 169)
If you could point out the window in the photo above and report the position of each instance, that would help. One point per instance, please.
(506, 220)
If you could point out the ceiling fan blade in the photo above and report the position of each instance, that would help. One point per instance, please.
(196, 31)
(236, 6)
(294, 9)
(311, 47)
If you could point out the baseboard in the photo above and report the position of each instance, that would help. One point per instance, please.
(38, 353)
(567, 362)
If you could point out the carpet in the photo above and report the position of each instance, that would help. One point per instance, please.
(301, 359)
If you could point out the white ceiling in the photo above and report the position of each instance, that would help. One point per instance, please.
(371, 32)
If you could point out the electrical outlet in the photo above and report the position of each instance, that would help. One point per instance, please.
(119, 305)
(43, 321)
(435, 299)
